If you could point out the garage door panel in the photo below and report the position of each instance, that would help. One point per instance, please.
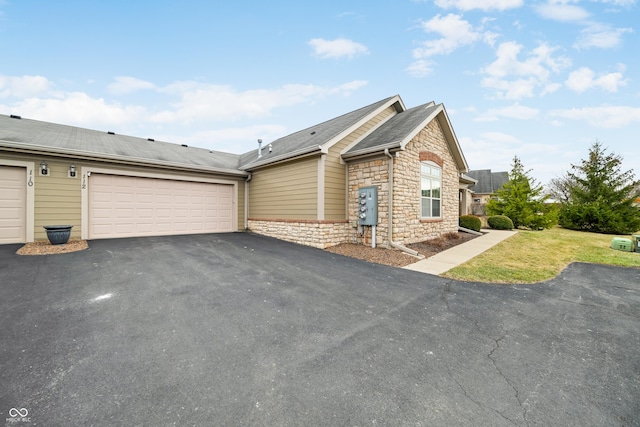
(13, 204)
(123, 206)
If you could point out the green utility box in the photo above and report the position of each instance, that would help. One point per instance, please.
(622, 244)
(636, 241)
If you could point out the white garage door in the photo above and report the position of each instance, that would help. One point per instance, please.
(13, 202)
(125, 206)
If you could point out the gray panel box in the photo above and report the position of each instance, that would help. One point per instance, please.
(368, 205)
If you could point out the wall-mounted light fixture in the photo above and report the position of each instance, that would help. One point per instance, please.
(44, 168)
(72, 170)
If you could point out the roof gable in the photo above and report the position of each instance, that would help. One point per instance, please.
(317, 138)
(399, 130)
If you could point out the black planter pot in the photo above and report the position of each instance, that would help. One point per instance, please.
(58, 234)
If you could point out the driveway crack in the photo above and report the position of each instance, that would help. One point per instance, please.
(507, 380)
(444, 297)
(464, 391)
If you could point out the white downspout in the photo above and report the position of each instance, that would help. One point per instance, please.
(390, 227)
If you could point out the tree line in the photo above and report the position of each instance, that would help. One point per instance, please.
(595, 195)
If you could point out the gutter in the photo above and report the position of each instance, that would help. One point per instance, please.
(390, 226)
(371, 151)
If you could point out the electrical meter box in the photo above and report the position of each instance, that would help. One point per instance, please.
(368, 205)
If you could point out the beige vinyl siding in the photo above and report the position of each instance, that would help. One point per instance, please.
(335, 181)
(57, 198)
(285, 191)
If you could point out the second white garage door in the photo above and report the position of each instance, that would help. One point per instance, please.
(126, 206)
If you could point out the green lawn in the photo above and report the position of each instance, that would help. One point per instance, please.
(535, 256)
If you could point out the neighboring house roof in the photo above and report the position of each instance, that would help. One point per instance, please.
(49, 138)
(318, 137)
(488, 182)
(400, 129)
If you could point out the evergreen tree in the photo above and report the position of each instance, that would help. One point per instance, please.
(522, 200)
(602, 195)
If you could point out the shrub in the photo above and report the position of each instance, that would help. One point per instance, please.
(471, 222)
(500, 222)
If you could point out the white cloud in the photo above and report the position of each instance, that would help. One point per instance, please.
(200, 101)
(182, 103)
(511, 89)
(420, 68)
(338, 48)
(485, 5)
(560, 10)
(550, 88)
(24, 86)
(500, 137)
(608, 117)
(515, 111)
(455, 32)
(79, 109)
(584, 79)
(530, 73)
(230, 140)
(618, 2)
(124, 85)
(601, 36)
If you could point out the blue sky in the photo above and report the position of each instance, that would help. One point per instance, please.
(540, 79)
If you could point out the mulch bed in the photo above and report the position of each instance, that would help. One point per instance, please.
(397, 258)
(45, 248)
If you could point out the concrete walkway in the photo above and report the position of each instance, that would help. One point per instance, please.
(446, 260)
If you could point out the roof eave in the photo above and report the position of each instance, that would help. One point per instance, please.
(88, 155)
(371, 151)
(465, 179)
(303, 152)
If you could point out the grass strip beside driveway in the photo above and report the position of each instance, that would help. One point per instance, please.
(536, 256)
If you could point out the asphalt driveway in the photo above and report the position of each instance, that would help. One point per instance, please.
(238, 329)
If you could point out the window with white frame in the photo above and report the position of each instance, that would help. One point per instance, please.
(431, 190)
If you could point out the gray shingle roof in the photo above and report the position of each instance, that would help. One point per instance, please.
(396, 129)
(488, 182)
(79, 142)
(74, 141)
(310, 137)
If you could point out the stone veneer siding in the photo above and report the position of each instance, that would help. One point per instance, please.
(408, 226)
(319, 234)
